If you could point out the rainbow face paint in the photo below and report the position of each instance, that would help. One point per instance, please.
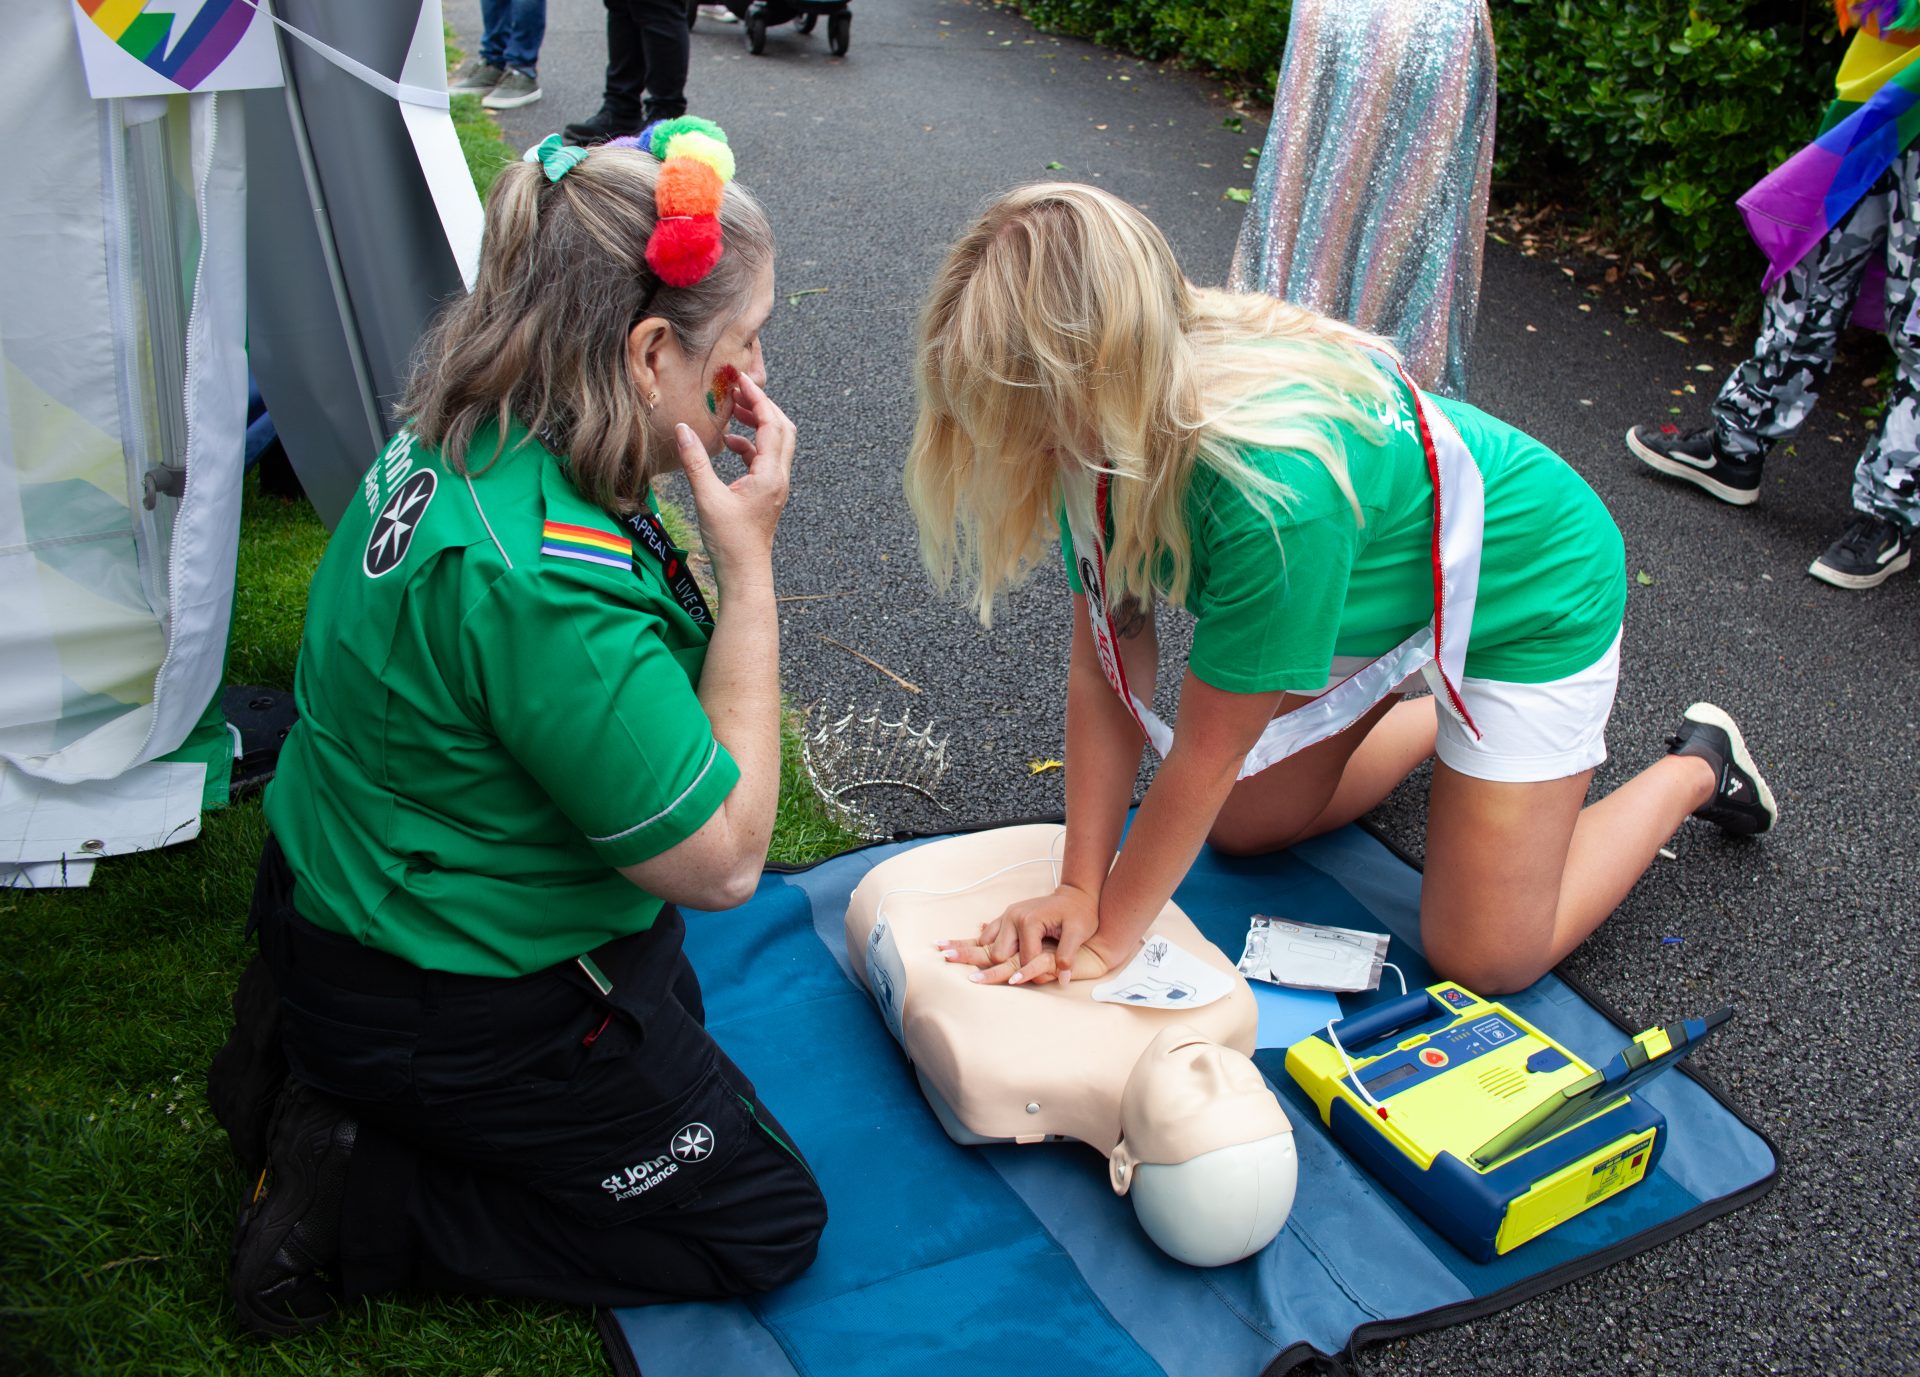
(721, 389)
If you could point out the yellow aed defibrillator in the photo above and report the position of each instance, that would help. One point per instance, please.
(1486, 1127)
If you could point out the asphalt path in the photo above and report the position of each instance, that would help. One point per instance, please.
(871, 165)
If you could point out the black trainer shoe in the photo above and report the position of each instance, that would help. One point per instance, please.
(1695, 456)
(289, 1232)
(1742, 803)
(598, 127)
(1870, 551)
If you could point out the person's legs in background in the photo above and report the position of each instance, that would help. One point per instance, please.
(648, 50)
(1878, 541)
(522, 25)
(479, 74)
(1771, 395)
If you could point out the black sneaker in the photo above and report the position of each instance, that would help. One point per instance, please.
(1695, 456)
(1870, 551)
(602, 125)
(289, 1230)
(1742, 803)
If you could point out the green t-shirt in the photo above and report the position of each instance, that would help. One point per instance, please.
(497, 707)
(1552, 573)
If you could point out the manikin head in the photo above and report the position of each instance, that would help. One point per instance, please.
(1206, 1151)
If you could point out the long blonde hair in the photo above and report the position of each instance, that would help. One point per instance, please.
(1060, 340)
(542, 337)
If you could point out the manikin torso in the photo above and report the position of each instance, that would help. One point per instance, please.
(1151, 1089)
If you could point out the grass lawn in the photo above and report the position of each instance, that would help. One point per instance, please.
(117, 1190)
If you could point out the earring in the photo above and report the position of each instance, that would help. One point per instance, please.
(653, 400)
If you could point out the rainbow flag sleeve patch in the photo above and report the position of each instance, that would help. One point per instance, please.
(588, 543)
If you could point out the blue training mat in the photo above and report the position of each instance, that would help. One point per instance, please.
(1003, 1261)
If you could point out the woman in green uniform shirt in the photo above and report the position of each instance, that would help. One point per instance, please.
(1337, 535)
(523, 740)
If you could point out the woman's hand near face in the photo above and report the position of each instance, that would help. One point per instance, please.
(738, 519)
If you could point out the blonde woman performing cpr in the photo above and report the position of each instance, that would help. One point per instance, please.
(1340, 537)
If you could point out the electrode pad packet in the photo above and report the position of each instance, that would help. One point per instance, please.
(1165, 975)
(1306, 956)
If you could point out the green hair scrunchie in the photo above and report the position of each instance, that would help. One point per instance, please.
(556, 156)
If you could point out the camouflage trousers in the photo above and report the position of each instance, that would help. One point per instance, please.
(1771, 395)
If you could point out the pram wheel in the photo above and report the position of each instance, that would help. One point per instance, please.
(839, 30)
(756, 34)
(806, 22)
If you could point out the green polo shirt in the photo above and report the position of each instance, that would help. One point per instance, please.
(497, 707)
(1552, 573)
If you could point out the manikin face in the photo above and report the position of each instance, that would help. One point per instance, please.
(697, 392)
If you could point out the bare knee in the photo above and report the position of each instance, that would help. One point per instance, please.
(1485, 962)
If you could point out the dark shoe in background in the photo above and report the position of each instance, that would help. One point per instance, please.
(517, 88)
(1869, 552)
(1694, 457)
(474, 78)
(598, 128)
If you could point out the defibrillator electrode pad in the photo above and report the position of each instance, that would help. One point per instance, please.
(1165, 975)
(1308, 957)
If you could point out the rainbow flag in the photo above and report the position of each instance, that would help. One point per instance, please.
(1792, 208)
(588, 543)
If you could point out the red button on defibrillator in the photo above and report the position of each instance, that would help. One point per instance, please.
(1433, 1056)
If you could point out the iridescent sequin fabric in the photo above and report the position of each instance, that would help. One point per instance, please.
(1370, 203)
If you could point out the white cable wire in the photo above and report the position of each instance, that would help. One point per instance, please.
(1353, 1072)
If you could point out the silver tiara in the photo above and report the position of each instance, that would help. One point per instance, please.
(860, 752)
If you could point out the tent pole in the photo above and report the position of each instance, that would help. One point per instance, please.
(329, 251)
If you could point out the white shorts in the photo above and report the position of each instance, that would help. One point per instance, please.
(1533, 732)
(1529, 733)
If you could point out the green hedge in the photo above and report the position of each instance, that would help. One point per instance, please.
(1647, 118)
(1239, 39)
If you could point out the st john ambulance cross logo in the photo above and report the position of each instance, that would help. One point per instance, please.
(693, 1142)
(393, 529)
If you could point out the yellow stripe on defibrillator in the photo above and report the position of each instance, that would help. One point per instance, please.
(1554, 1199)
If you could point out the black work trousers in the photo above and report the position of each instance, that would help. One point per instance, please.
(648, 49)
(536, 1136)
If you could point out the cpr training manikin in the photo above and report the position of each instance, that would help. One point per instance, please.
(1149, 1067)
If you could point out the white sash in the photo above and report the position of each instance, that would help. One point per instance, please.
(1438, 649)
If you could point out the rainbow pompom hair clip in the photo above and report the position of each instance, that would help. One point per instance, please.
(695, 166)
